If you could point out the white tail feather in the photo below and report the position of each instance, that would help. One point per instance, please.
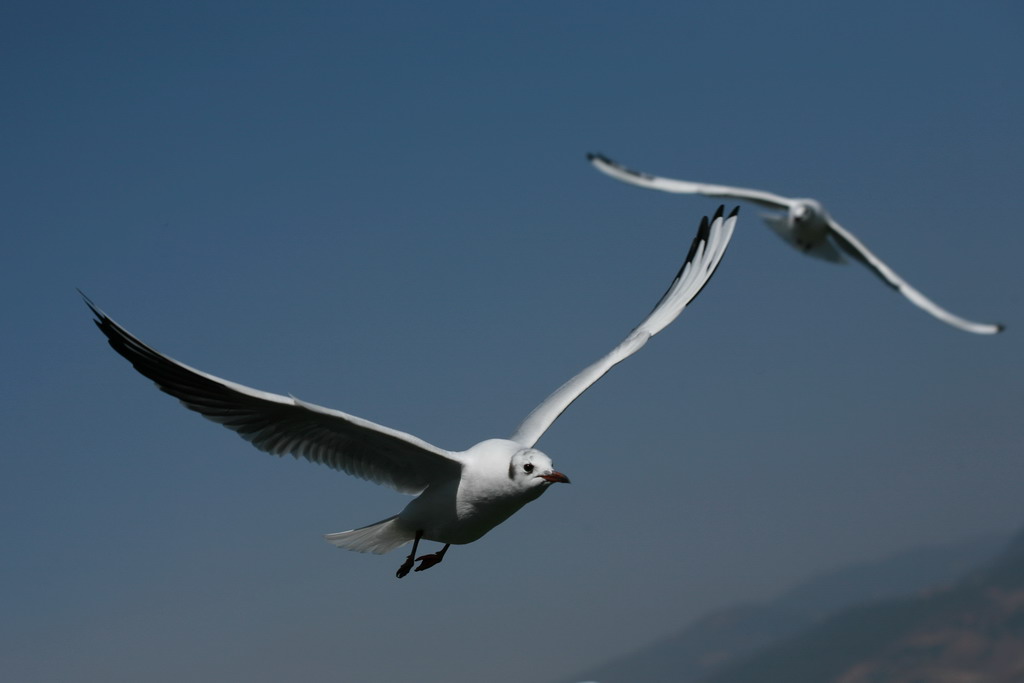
(379, 538)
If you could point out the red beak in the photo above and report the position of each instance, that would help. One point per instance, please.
(555, 477)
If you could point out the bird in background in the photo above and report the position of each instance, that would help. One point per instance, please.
(460, 495)
(806, 225)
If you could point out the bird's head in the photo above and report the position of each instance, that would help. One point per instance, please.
(800, 213)
(531, 469)
(805, 211)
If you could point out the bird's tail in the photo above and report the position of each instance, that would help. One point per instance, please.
(382, 537)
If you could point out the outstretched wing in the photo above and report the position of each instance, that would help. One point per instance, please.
(651, 182)
(853, 246)
(283, 424)
(705, 253)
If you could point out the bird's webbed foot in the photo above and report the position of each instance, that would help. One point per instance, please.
(409, 561)
(428, 561)
(406, 567)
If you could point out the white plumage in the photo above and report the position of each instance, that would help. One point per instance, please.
(805, 225)
(461, 495)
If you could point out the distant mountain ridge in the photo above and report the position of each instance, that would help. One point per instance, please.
(970, 632)
(721, 641)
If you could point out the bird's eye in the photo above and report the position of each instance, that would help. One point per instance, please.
(528, 467)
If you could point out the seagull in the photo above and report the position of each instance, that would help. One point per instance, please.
(460, 495)
(805, 225)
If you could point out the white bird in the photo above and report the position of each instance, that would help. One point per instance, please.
(806, 225)
(461, 494)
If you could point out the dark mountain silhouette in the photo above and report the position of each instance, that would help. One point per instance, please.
(721, 641)
(972, 631)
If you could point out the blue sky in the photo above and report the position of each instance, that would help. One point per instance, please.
(386, 208)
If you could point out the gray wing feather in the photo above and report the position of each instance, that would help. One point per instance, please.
(705, 253)
(285, 425)
(653, 182)
(856, 249)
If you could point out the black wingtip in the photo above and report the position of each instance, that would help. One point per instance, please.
(735, 212)
(100, 315)
(1000, 327)
(720, 212)
(703, 232)
(593, 156)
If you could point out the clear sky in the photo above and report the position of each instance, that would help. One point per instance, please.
(386, 208)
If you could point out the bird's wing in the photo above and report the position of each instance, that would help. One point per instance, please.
(853, 246)
(705, 253)
(283, 424)
(628, 175)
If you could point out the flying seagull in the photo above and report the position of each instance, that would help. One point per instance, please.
(805, 225)
(461, 495)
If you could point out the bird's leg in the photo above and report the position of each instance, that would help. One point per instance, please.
(428, 561)
(407, 565)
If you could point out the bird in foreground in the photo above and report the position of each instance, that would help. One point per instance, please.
(461, 495)
(805, 225)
